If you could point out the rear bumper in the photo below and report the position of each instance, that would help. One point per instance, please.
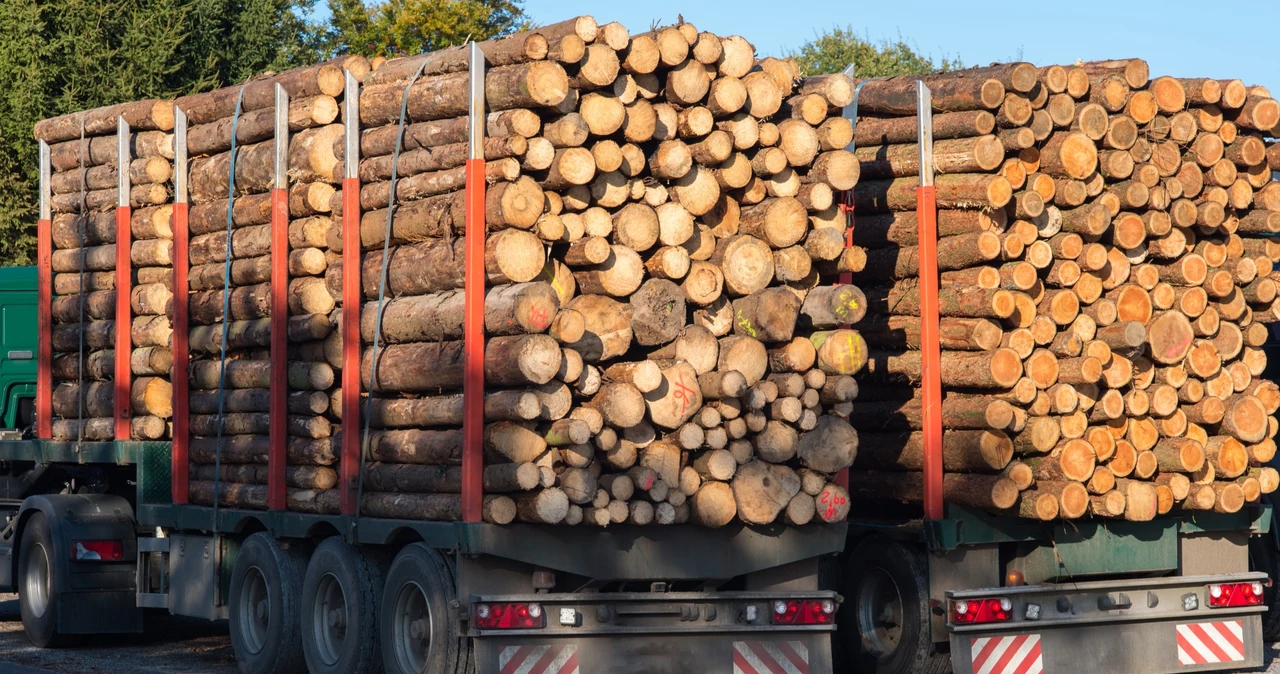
(1134, 626)
(676, 633)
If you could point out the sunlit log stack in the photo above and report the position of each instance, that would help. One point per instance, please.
(661, 228)
(233, 396)
(84, 161)
(1107, 283)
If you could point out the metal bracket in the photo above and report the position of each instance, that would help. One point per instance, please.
(924, 130)
(45, 174)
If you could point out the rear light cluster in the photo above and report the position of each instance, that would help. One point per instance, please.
(1235, 594)
(804, 612)
(97, 551)
(509, 616)
(978, 611)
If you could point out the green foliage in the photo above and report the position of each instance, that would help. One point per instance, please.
(397, 27)
(832, 51)
(62, 56)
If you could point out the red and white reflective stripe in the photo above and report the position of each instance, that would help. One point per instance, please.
(1017, 654)
(538, 660)
(1205, 643)
(770, 657)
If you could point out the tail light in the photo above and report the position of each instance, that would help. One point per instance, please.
(979, 611)
(804, 612)
(509, 616)
(1235, 594)
(97, 551)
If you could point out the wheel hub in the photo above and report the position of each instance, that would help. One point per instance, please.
(254, 604)
(412, 628)
(35, 585)
(329, 628)
(879, 613)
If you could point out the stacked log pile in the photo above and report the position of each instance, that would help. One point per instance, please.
(1107, 281)
(661, 216)
(84, 162)
(239, 387)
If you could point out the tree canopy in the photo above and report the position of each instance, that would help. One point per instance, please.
(833, 50)
(398, 27)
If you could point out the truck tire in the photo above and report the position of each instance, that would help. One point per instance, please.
(265, 604)
(884, 619)
(342, 593)
(37, 584)
(419, 631)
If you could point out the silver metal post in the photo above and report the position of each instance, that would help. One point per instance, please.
(924, 118)
(122, 162)
(45, 174)
(476, 114)
(351, 122)
(282, 138)
(179, 155)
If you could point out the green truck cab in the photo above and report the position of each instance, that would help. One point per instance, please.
(18, 336)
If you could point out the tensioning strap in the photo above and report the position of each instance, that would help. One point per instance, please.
(382, 287)
(226, 312)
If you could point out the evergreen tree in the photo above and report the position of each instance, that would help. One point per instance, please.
(832, 51)
(67, 55)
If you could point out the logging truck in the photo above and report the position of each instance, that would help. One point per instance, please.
(441, 578)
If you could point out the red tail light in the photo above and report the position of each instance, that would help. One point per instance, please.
(97, 551)
(509, 616)
(1235, 594)
(804, 612)
(979, 611)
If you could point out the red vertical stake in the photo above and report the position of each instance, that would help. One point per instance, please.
(279, 393)
(930, 350)
(181, 236)
(349, 467)
(473, 315)
(124, 286)
(44, 305)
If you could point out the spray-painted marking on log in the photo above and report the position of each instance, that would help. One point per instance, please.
(849, 364)
(538, 660)
(1205, 643)
(682, 392)
(848, 306)
(833, 503)
(770, 657)
(549, 272)
(1016, 654)
(745, 324)
(538, 318)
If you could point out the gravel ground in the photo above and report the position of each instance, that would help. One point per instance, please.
(171, 645)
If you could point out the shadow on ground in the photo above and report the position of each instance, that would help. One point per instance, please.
(170, 645)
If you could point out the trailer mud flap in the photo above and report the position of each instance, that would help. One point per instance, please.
(648, 653)
(1169, 645)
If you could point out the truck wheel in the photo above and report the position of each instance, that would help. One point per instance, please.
(37, 585)
(341, 593)
(266, 595)
(419, 634)
(885, 616)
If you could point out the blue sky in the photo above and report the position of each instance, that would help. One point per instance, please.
(1177, 37)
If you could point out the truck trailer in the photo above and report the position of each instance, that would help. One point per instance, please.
(99, 531)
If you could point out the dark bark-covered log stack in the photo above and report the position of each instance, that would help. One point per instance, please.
(1106, 285)
(660, 208)
(84, 161)
(315, 96)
